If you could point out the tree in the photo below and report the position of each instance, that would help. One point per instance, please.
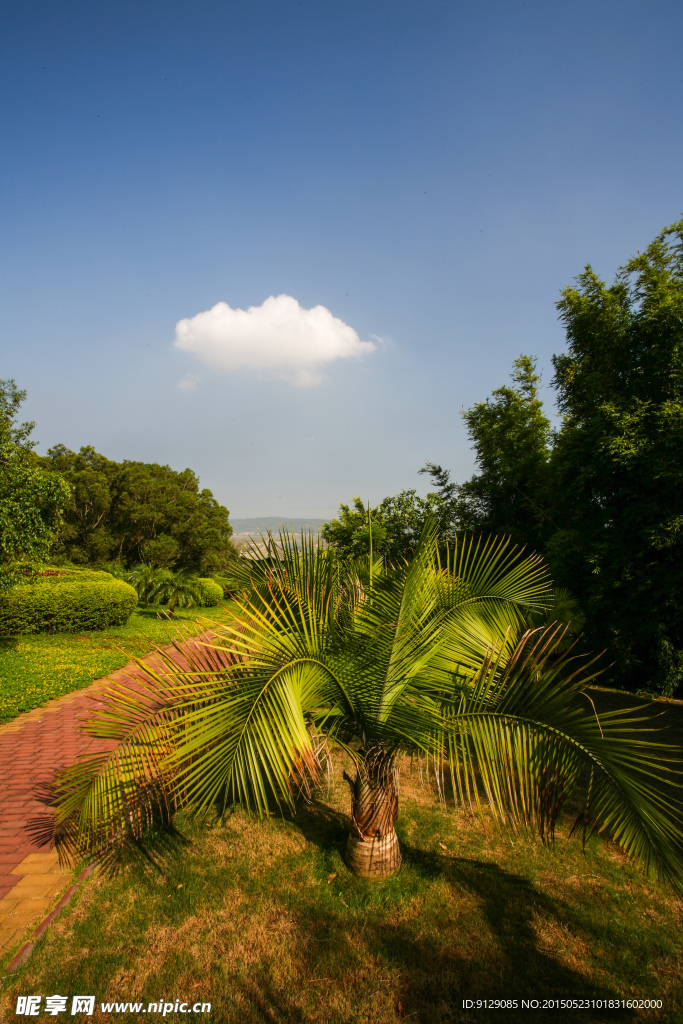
(601, 496)
(86, 535)
(147, 580)
(151, 502)
(617, 464)
(511, 438)
(177, 589)
(429, 657)
(31, 500)
(397, 523)
(140, 512)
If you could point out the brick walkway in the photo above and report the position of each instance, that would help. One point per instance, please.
(34, 748)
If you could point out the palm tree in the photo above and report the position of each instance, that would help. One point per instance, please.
(177, 589)
(147, 579)
(156, 585)
(432, 656)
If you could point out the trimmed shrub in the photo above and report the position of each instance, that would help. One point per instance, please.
(66, 600)
(211, 592)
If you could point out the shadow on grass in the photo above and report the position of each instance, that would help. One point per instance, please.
(322, 825)
(443, 929)
(436, 974)
(159, 847)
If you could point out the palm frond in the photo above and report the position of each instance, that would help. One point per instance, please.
(493, 568)
(211, 730)
(526, 735)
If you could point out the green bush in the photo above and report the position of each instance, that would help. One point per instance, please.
(211, 592)
(66, 600)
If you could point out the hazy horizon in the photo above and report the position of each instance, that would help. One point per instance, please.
(256, 524)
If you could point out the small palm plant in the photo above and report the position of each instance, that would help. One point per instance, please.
(156, 585)
(432, 657)
(179, 589)
(147, 579)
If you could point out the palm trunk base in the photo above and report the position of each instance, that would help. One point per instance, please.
(373, 858)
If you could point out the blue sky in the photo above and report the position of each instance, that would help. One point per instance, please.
(431, 173)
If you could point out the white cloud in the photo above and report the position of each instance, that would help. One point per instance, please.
(279, 338)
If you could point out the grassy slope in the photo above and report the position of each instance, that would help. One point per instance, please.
(35, 669)
(265, 922)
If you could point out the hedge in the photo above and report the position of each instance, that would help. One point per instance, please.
(211, 591)
(66, 600)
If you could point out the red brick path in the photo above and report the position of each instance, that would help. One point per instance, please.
(34, 748)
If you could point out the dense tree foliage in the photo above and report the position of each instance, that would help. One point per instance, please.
(396, 524)
(511, 438)
(139, 512)
(618, 460)
(603, 496)
(31, 498)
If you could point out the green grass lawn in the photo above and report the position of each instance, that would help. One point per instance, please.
(36, 668)
(265, 922)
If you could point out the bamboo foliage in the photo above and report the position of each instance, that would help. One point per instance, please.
(430, 656)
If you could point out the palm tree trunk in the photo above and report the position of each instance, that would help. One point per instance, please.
(372, 849)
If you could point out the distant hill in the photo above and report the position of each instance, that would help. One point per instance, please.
(261, 524)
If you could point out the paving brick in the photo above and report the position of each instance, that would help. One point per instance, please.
(8, 860)
(59, 887)
(36, 863)
(9, 934)
(30, 907)
(33, 889)
(33, 749)
(42, 878)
